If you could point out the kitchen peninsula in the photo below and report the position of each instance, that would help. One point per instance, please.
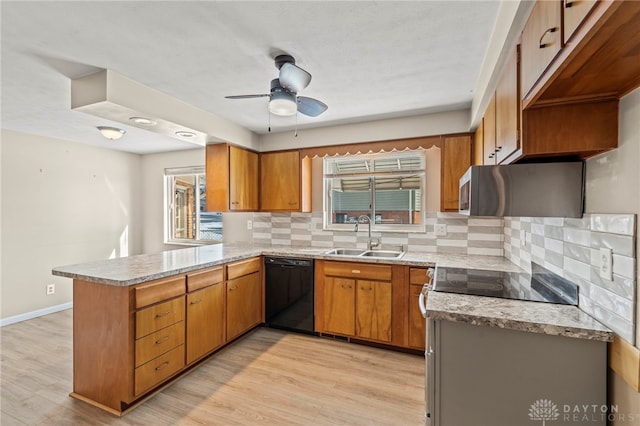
(142, 321)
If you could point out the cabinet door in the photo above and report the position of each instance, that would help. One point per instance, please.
(217, 177)
(205, 321)
(456, 159)
(416, 321)
(489, 133)
(339, 305)
(280, 181)
(244, 301)
(373, 310)
(574, 13)
(508, 110)
(541, 41)
(243, 179)
(478, 145)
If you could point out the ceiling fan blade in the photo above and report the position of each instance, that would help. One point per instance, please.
(293, 78)
(311, 107)
(247, 96)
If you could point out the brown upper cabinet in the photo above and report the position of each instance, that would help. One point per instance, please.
(574, 12)
(456, 159)
(507, 110)
(232, 178)
(600, 60)
(477, 153)
(489, 134)
(285, 182)
(541, 41)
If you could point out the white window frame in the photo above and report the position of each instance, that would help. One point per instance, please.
(169, 206)
(329, 176)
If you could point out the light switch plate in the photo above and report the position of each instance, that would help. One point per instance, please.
(606, 263)
(249, 224)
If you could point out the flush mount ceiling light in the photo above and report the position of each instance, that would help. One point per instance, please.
(111, 133)
(143, 120)
(283, 103)
(185, 134)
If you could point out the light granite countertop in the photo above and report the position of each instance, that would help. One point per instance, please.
(533, 317)
(132, 270)
(513, 314)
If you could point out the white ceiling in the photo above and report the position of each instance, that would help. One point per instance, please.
(369, 59)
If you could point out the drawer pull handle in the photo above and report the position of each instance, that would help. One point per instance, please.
(164, 314)
(161, 366)
(233, 287)
(195, 302)
(355, 271)
(549, 30)
(160, 341)
(346, 286)
(366, 289)
(568, 3)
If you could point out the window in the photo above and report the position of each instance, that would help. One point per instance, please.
(387, 187)
(185, 218)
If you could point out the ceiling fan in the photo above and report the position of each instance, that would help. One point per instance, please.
(284, 99)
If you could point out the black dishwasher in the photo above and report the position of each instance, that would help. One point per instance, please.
(289, 294)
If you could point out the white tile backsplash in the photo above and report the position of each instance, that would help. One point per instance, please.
(570, 248)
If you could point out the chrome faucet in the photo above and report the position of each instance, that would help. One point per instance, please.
(370, 244)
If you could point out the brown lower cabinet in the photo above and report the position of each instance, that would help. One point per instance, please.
(205, 313)
(363, 301)
(128, 341)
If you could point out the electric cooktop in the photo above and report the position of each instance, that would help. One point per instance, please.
(541, 285)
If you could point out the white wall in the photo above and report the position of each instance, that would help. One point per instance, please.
(153, 196)
(62, 203)
(613, 178)
(394, 128)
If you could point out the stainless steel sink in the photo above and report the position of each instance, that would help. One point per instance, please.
(383, 253)
(389, 254)
(346, 252)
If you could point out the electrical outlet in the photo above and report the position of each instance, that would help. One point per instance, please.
(606, 263)
(51, 289)
(249, 224)
(441, 229)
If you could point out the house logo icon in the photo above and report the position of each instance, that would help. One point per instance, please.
(543, 410)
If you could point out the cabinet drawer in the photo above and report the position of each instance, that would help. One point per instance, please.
(159, 316)
(418, 276)
(155, 371)
(201, 279)
(162, 341)
(157, 291)
(358, 270)
(243, 267)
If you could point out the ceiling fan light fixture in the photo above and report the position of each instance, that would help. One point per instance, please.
(283, 103)
(111, 133)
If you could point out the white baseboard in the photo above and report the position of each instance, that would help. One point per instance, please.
(35, 314)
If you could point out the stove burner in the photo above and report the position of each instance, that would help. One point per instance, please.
(540, 286)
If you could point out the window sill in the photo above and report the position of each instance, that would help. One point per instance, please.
(191, 243)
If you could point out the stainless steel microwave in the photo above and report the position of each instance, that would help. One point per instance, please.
(532, 190)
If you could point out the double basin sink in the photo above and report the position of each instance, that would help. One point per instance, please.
(389, 254)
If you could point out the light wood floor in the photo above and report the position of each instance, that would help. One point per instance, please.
(267, 378)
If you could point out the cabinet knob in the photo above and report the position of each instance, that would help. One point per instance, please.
(498, 148)
(164, 314)
(195, 302)
(161, 366)
(491, 155)
(549, 30)
(160, 341)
